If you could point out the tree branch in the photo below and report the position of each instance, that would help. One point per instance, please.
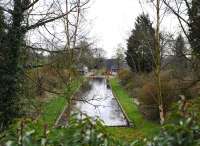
(175, 13)
(6, 10)
(31, 5)
(41, 23)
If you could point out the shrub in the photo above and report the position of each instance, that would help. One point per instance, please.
(148, 102)
(147, 95)
(83, 132)
(87, 132)
(132, 81)
(49, 78)
(125, 76)
(185, 133)
(191, 92)
(143, 86)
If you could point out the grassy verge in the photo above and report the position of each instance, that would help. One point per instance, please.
(142, 127)
(52, 109)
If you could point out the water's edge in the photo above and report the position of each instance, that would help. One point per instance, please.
(111, 109)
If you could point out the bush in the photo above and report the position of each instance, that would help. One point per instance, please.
(49, 78)
(125, 76)
(144, 88)
(191, 92)
(150, 112)
(132, 82)
(148, 93)
(185, 133)
(85, 132)
(184, 109)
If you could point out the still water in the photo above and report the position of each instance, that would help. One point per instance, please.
(100, 103)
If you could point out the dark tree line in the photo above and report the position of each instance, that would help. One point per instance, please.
(145, 49)
(141, 43)
(179, 60)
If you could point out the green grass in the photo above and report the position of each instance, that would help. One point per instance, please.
(52, 109)
(142, 127)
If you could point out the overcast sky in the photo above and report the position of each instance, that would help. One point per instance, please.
(113, 20)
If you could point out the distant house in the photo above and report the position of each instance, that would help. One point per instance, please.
(112, 66)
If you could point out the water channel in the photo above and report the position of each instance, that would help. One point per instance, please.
(100, 103)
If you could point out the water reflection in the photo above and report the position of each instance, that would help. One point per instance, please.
(100, 103)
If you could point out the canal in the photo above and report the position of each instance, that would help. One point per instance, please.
(99, 103)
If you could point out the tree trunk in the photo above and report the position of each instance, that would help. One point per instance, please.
(162, 114)
(10, 71)
(158, 66)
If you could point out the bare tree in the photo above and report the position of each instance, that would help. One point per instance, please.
(25, 19)
(158, 55)
(120, 56)
(158, 64)
(180, 9)
(186, 12)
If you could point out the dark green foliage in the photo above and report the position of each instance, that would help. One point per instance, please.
(10, 68)
(141, 44)
(179, 46)
(2, 34)
(194, 27)
(2, 23)
(179, 60)
(77, 133)
(185, 133)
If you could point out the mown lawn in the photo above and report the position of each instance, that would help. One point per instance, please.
(141, 127)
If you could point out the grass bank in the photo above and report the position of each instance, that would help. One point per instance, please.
(142, 127)
(52, 108)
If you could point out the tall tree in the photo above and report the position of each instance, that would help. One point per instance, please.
(99, 55)
(158, 64)
(85, 55)
(179, 53)
(24, 15)
(192, 7)
(2, 33)
(194, 27)
(2, 23)
(120, 56)
(9, 69)
(141, 44)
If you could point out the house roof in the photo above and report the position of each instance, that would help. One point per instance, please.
(111, 63)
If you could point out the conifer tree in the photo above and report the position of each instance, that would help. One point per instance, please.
(141, 46)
